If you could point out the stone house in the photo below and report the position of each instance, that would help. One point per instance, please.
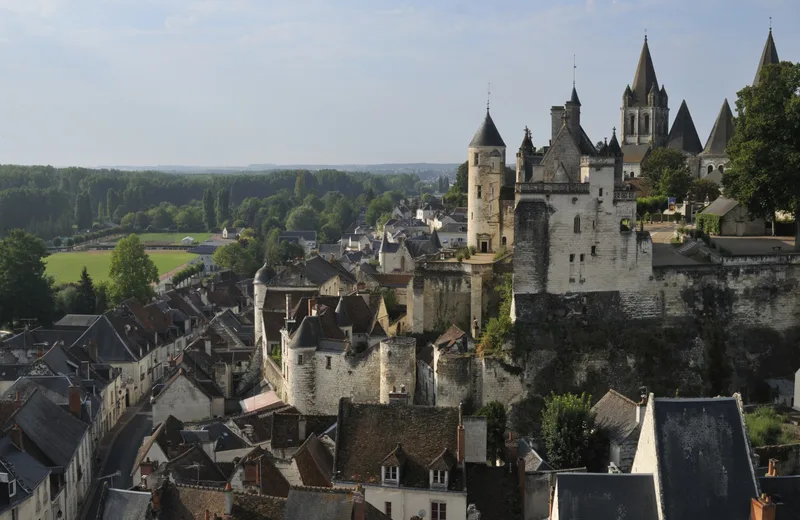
(620, 418)
(58, 440)
(217, 440)
(400, 256)
(24, 484)
(734, 218)
(256, 473)
(453, 234)
(163, 444)
(189, 395)
(407, 458)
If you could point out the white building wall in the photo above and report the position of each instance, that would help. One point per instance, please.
(646, 459)
(797, 390)
(408, 502)
(36, 506)
(182, 400)
(154, 454)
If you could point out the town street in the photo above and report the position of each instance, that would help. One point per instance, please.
(135, 424)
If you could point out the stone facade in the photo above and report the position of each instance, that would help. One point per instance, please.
(186, 402)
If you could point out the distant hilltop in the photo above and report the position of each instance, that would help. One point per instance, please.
(443, 168)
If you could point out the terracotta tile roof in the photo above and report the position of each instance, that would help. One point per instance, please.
(616, 415)
(182, 502)
(450, 337)
(368, 433)
(314, 462)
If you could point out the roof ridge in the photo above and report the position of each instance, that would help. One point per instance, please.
(623, 396)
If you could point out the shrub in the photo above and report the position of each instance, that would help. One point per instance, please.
(764, 427)
(57, 242)
(500, 253)
(709, 224)
(472, 250)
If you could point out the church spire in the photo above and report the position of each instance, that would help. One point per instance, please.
(721, 133)
(769, 55)
(683, 135)
(645, 78)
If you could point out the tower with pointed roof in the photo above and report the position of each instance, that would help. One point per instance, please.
(714, 158)
(769, 56)
(644, 114)
(486, 177)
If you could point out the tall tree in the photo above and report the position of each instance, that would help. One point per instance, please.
(132, 271)
(238, 258)
(223, 207)
(567, 426)
(101, 212)
(86, 300)
(666, 173)
(300, 188)
(112, 201)
(461, 177)
(764, 151)
(26, 292)
(83, 211)
(302, 218)
(703, 189)
(209, 215)
(495, 414)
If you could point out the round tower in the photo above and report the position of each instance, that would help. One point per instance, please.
(485, 177)
(259, 295)
(398, 366)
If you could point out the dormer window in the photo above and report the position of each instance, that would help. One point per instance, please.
(439, 478)
(391, 475)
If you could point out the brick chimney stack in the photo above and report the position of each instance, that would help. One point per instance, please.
(762, 508)
(359, 508)
(772, 470)
(462, 437)
(74, 399)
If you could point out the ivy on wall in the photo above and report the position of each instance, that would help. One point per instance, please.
(709, 224)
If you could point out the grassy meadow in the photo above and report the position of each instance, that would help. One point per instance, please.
(66, 267)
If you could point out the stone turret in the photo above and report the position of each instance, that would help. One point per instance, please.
(645, 110)
(486, 176)
(525, 157)
(398, 367)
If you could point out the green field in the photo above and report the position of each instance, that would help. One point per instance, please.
(66, 267)
(171, 239)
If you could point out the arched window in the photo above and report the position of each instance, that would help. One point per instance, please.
(633, 124)
(710, 168)
(721, 168)
(576, 225)
(503, 241)
(646, 124)
(402, 264)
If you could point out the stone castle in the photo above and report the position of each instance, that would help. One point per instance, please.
(595, 302)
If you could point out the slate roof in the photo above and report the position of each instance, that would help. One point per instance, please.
(286, 427)
(487, 134)
(259, 423)
(721, 133)
(225, 438)
(77, 320)
(423, 245)
(305, 235)
(318, 504)
(110, 344)
(645, 78)
(182, 502)
(616, 415)
(605, 496)
(683, 134)
(388, 247)
(613, 147)
(785, 491)
(451, 337)
(368, 433)
(721, 207)
(167, 435)
(204, 249)
(121, 504)
(704, 465)
(53, 430)
(324, 325)
(28, 472)
(635, 153)
(573, 98)
(769, 56)
(314, 462)
(56, 389)
(195, 466)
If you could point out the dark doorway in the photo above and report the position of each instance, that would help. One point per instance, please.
(127, 398)
(484, 247)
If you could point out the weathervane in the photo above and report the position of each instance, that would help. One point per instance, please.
(574, 68)
(488, 95)
(645, 34)
(770, 24)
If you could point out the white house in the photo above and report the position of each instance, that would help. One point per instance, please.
(187, 241)
(24, 484)
(406, 470)
(189, 396)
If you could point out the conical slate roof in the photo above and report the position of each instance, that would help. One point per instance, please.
(487, 134)
(683, 135)
(645, 77)
(342, 319)
(574, 97)
(768, 56)
(613, 145)
(527, 142)
(721, 133)
(262, 275)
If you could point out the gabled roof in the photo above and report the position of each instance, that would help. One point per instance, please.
(395, 458)
(645, 78)
(182, 502)
(605, 496)
(369, 434)
(769, 56)
(703, 459)
(314, 462)
(487, 134)
(616, 415)
(257, 426)
(27, 471)
(123, 504)
(451, 337)
(683, 135)
(635, 153)
(334, 504)
(444, 462)
(720, 207)
(52, 429)
(721, 133)
(196, 467)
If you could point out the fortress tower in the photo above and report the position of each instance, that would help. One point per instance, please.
(486, 177)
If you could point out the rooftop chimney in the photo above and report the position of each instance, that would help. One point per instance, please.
(228, 501)
(762, 508)
(359, 509)
(208, 515)
(74, 400)
(642, 405)
(462, 437)
(773, 468)
(16, 438)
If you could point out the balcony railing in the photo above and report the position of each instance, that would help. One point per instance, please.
(625, 195)
(552, 187)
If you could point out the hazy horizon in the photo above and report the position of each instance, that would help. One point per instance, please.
(210, 83)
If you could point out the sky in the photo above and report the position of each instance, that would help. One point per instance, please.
(237, 82)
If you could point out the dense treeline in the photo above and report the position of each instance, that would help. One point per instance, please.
(48, 201)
